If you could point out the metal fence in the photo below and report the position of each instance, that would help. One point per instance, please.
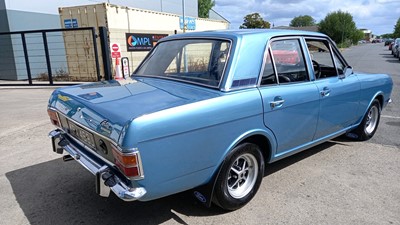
(51, 57)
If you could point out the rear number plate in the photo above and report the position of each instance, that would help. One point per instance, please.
(81, 134)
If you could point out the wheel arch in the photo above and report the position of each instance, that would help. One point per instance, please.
(380, 96)
(262, 142)
(262, 138)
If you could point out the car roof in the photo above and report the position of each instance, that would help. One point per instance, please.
(234, 34)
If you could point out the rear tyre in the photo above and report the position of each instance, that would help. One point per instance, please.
(370, 122)
(240, 177)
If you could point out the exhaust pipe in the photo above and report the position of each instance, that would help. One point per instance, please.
(67, 158)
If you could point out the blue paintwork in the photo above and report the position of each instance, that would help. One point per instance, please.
(183, 131)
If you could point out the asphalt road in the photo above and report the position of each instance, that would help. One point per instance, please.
(339, 182)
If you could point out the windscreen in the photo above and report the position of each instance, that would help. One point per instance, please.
(198, 61)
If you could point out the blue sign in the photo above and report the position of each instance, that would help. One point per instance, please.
(70, 23)
(189, 21)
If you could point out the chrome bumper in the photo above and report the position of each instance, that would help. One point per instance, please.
(106, 180)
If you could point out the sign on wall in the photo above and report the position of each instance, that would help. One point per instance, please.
(142, 42)
(115, 50)
(70, 23)
(189, 21)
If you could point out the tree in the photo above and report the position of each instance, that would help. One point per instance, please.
(357, 36)
(204, 7)
(396, 32)
(387, 35)
(302, 21)
(340, 27)
(254, 20)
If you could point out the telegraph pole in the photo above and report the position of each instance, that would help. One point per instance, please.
(183, 14)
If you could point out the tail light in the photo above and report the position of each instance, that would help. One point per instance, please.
(128, 163)
(54, 117)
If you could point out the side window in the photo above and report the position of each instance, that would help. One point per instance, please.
(339, 64)
(289, 61)
(268, 76)
(325, 62)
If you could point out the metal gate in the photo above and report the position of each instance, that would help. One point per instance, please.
(53, 57)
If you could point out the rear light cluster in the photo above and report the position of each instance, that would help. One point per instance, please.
(54, 117)
(128, 163)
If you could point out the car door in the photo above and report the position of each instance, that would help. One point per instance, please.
(290, 99)
(339, 94)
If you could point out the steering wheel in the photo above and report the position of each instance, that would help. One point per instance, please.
(317, 69)
(283, 78)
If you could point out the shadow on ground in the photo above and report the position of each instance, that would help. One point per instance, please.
(390, 58)
(55, 192)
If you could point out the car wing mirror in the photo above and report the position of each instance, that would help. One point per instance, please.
(347, 71)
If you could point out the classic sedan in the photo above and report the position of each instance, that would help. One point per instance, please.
(207, 111)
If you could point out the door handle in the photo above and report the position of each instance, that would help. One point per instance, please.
(278, 102)
(325, 92)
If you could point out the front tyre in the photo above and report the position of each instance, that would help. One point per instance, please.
(240, 177)
(370, 122)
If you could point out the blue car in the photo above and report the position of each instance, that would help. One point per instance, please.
(206, 111)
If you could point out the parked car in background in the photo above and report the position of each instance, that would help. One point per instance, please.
(395, 47)
(388, 41)
(206, 111)
(391, 45)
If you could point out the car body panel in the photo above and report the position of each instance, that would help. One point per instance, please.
(338, 110)
(298, 113)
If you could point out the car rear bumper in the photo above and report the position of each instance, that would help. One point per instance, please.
(105, 178)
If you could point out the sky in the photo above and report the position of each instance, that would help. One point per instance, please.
(379, 16)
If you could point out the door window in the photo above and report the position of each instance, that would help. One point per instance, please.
(287, 61)
(325, 62)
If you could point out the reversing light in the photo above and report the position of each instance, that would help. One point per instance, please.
(128, 163)
(54, 117)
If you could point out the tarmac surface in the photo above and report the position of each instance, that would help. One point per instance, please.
(338, 182)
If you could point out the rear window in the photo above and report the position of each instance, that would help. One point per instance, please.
(196, 61)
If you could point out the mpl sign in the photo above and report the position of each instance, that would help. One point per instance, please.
(142, 42)
(115, 50)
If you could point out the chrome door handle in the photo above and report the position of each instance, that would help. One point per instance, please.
(277, 103)
(325, 92)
